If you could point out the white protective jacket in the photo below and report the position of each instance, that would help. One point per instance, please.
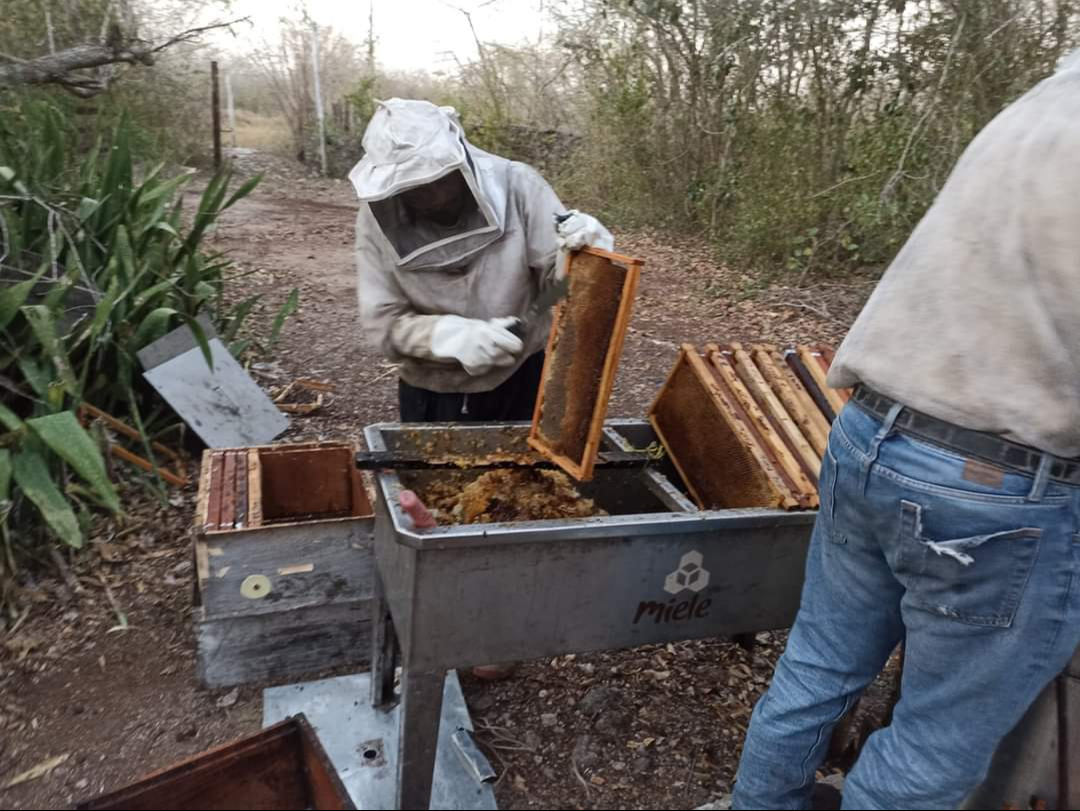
(492, 264)
(976, 321)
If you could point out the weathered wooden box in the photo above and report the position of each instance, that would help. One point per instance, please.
(285, 570)
(282, 767)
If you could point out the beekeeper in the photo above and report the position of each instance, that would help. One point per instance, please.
(453, 246)
(950, 493)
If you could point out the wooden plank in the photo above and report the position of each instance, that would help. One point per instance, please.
(828, 355)
(202, 566)
(795, 364)
(361, 503)
(217, 470)
(611, 362)
(670, 441)
(783, 421)
(770, 442)
(263, 771)
(240, 486)
(794, 396)
(814, 365)
(318, 563)
(715, 453)
(582, 357)
(202, 503)
(327, 792)
(254, 467)
(284, 644)
(228, 491)
(306, 483)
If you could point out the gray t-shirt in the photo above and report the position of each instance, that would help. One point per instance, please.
(977, 321)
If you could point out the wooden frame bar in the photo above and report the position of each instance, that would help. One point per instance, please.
(783, 422)
(770, 441)
(818, 368)
(796, 400)
(558, 378)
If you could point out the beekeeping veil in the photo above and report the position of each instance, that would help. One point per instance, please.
(412, 143)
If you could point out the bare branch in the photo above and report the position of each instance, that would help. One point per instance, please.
(62, 68)
(57, 68)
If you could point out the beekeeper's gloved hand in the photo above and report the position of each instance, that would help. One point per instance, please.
(574, 231)
(476, 344)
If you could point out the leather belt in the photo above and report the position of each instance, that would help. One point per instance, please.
(985, 447)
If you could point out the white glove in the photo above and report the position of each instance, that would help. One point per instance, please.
(477, 345)
(574, 231)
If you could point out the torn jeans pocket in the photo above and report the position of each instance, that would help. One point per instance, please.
(978, 579)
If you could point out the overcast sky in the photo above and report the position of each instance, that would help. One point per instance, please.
(411, 34)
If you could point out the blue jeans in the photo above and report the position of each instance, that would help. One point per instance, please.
(977, 570)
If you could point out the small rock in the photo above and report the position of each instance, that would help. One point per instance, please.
(596, 699)
(532, 740)
(183, 567)
(642, 765)
(613, 722)
(483, 703)
(618, 766)
(83, 784)
(549, 719)
(584, 756)
(186, 734)
(229, 699)
(543, 694)
(723, 804)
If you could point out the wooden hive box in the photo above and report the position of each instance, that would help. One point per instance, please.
(284, 560)
(282, 767)
(582, 358)
(741, 427)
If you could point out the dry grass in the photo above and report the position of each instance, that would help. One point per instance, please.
(262, 132)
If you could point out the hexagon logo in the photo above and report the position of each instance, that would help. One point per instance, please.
(690, 575)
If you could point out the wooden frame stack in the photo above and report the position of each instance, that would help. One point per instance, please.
(247, 488)
(582, 357)
(748, 426)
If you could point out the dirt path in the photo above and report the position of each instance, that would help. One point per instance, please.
(650, 728)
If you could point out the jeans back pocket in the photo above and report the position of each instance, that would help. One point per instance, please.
(975, 579)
